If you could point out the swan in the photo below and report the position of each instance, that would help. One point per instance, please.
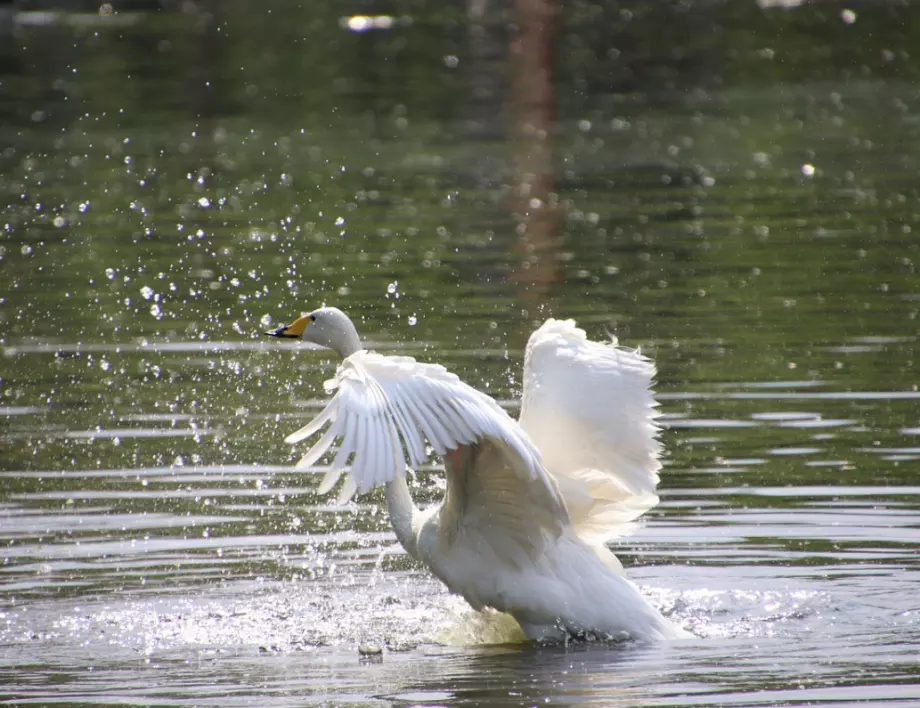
(529, 503)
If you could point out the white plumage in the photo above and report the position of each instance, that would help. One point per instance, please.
(529, 503)
(591, 410)
(386, 407)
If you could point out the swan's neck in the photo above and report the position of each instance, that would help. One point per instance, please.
(343, 340)
(348, 344)
(402, 513)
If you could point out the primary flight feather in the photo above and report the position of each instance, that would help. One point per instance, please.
(529, 503)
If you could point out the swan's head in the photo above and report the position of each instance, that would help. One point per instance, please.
(328, 327)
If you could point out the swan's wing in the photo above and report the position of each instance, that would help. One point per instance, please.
(385, 409)
(493, 518)
(590, 410)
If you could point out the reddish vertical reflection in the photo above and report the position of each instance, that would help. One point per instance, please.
(531, 114)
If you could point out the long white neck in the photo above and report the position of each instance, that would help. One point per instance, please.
(402, 513)
(348, 345)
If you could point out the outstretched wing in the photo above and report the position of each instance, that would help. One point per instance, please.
(590, 410)
(385, 409)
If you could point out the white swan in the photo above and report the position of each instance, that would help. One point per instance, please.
(529, 503)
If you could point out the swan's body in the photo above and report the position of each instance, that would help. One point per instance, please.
(529, 503)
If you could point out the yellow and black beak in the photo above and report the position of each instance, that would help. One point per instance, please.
(292, 331)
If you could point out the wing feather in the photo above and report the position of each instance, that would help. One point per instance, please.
(412, 439)
(590, 409)
(419, 416)
(381, 437)
(329, 479)
(319, 449)
(455, 421)
(347, 447)
(439, 436)
(347, 491)
(385, 408)
(409, 432)
(327, 414)
(359, 465)
(472, 413)
(462, 421)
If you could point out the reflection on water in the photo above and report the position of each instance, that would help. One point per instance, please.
(732, 188)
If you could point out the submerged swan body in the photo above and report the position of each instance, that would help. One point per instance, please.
(529, 503)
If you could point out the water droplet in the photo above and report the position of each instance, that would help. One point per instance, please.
(391, 288)
(204, 202)
(147, 292)
(413, 320)
(339, 221)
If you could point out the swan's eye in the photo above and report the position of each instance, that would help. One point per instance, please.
(312, 318)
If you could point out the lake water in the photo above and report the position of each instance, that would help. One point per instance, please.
(734, 188)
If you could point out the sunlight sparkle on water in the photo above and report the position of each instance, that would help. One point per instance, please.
(365, 23)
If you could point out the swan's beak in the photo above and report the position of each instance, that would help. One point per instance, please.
(292, 331)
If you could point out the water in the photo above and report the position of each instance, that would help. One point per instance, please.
(740, 200)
